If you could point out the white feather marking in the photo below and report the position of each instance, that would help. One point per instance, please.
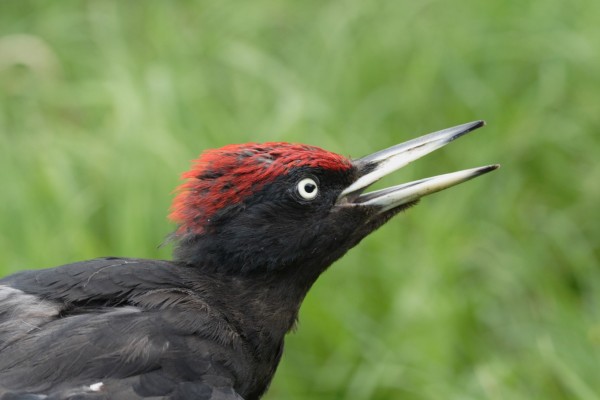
(96, 387)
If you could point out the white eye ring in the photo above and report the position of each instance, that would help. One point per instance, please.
(308, 188)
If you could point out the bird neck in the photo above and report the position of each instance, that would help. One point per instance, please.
(259, 290)
(270, 304)
(262, 307)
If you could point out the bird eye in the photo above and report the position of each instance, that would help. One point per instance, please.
(308, 188)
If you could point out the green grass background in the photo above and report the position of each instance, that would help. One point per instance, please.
(490, 290)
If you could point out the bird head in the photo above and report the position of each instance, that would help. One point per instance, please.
(259, 208)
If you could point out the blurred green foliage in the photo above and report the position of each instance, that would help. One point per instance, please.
(490, 290)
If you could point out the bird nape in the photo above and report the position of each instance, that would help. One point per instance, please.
(257, 225)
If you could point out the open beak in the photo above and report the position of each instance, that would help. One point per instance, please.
(377, 165)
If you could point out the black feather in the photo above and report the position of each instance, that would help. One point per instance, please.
(209, 325)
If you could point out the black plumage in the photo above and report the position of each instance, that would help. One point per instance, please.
(142, 325)
(257, 225)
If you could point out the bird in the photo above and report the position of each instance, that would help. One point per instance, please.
(256, 224)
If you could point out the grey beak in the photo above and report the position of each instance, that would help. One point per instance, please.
(384, 162)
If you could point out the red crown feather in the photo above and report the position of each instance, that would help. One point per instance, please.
(226, 176)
